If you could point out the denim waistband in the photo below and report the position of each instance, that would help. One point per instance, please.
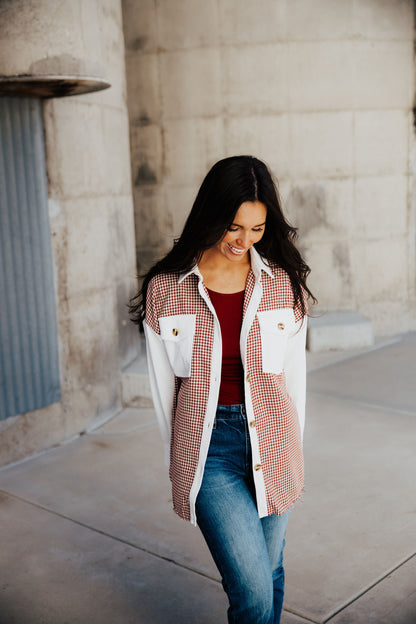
(231, 411)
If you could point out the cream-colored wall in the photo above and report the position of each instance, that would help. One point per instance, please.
(323, 91)
(91, 210)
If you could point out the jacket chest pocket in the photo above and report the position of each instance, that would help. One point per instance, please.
(275, 328)
(177, 333)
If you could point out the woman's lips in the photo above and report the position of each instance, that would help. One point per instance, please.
(235, 250)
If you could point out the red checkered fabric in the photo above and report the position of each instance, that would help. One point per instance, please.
(276, 419)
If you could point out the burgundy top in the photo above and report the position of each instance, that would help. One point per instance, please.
(229, 309)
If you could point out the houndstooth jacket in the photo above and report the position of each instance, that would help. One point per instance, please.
(184, 352)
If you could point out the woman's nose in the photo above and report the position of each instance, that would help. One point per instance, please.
(244, 239)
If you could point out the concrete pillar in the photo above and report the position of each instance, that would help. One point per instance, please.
(90, 205)
(60, 52)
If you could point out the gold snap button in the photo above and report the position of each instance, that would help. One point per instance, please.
(257, 467)
(253, 423)
(281, 326)
(248, 378)
(175, 332)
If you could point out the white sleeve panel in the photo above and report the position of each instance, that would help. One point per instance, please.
(295, 369)
(162, 384)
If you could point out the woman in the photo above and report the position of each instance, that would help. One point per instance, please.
(225, 322)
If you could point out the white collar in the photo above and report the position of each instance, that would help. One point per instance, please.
(258, 264)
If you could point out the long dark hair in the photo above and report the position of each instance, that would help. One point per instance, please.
(229, 183)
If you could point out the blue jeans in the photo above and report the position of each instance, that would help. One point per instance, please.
(247, 550)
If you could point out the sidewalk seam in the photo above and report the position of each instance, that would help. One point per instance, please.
(367, 589)
(374, 406)
(305, 618)
(345, 355)
(106, 534)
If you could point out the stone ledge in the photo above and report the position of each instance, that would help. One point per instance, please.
(343, 330)
(50, 86)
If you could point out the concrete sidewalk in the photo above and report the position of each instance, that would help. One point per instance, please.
(88, 535)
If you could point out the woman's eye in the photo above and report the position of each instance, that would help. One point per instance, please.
(231, 229)
(258, 229)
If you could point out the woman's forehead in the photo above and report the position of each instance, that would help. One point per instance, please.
(250, 213)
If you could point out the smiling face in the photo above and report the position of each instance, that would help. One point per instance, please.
(246, 229)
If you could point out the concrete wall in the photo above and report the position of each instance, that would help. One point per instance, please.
(323, 91)
(91, 211)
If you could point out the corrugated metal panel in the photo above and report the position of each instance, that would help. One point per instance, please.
(29, 365)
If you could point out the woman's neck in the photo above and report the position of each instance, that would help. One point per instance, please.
(223, 276)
